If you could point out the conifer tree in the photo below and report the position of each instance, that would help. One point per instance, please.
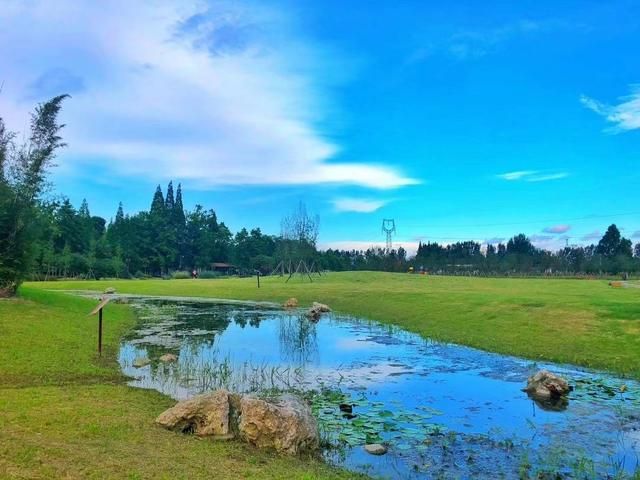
(157, 204)
(119, 214)
(169, 202)
(179, 208)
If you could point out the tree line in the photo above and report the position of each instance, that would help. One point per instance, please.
(43, 238)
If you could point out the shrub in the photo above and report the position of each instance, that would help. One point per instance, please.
(209, 274)
(180, 275)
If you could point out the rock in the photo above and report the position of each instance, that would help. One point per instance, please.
(375, 449)
(285, 424)
(110, 291)
(168, 358)
(291, 303)
(321, 307)
(545, 384)
(203, 415)
(140, 362)
(317, 309)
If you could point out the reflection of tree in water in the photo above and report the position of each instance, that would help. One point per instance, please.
(253, 318)
(298, 340)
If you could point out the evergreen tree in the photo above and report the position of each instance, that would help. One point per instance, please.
(84, 209)
(169, 202)
(179, 208)
(157, 204)
(613, 244)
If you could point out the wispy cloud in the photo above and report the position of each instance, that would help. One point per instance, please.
(532, 176)
(595, 235)
(557, 229)
(517, 175)
(220, 95)
(624, 116)
(472, 44)
(494, 240)
(636, 234)
(359, 205)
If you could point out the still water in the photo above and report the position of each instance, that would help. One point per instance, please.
(445, 411)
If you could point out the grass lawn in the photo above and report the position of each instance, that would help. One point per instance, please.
(584, 322)
(65, 413)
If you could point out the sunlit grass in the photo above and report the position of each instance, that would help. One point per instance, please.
(65, 412)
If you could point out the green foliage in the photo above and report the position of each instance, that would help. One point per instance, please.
(23, 170)
(180, 275)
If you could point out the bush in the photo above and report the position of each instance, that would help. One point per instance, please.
(180, 275)
(209, 274)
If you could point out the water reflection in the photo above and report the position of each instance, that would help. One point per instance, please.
(445, 411)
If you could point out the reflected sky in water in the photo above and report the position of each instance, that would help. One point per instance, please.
(492, 427)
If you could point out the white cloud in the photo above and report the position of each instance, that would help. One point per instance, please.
(624, 116)
(358, 205)
(167, 89)
(595, 235)
(532, 176)
(516, 175)
(557, 229)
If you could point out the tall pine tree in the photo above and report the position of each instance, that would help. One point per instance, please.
(157, 204)
(169, 202)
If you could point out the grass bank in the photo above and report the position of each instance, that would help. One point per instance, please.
(584, 322)
(67, 414)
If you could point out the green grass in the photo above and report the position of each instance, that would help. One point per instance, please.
(65, 413)
(584, 322)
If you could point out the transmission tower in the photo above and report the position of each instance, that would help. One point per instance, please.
(389, 228)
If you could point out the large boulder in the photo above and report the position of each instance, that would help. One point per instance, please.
(544, 385)
(285, 424)
(203, 415)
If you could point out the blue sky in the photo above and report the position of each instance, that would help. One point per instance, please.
(471, 120)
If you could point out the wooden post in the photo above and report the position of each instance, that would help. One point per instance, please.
(258, 277)
(98, 310)
(100, 332)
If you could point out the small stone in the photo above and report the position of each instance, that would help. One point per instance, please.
(316, 310)
(140, 362)
(291, 303)
(168, 358)
(321, 307)
(375, 449)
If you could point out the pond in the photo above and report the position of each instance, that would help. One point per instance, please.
(445, 411)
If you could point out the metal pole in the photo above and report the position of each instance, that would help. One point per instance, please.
(100, 332)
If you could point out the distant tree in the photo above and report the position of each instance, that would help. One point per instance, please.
(23, 171)
(157, 204)
(299, 234)
(636, 250)
(613, 244)
(520, 245)
(179, 208)
(169, 202)
(301, 226)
